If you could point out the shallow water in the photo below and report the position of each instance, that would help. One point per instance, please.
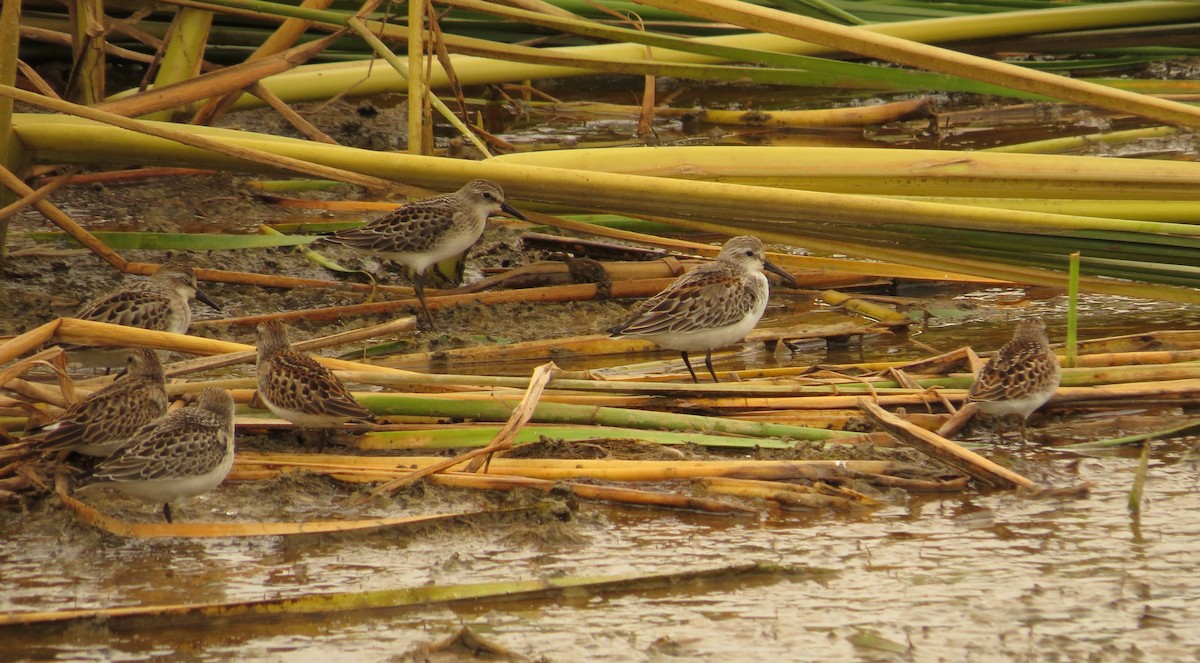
(963, 577)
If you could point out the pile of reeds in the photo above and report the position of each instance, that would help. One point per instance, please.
(1014, 216)
(753, 428)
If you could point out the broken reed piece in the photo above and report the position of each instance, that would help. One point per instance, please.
(521, 415)
(939, 448)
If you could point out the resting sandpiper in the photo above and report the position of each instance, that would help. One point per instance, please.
(105, 421)
(1020, 377)
(428, 231)
(297, 388)
(710, 307)
(186, 453)
(159, 303)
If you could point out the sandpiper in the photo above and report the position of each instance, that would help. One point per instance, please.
(428, 231)
(186, 453)
(159, 303)
(297, 388)
(710, 307)
(104, 422)
(1020, 377)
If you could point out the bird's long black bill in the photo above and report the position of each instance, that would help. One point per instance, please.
(512, 211)
(788, 279)
(204, 298)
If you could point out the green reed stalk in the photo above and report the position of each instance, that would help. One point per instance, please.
(561, 413)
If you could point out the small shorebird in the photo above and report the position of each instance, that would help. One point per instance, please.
(186, 453)
(1021, 376)
(428, 231)
(105, 421)
(710, 307)
(159, 303)
(297, 388)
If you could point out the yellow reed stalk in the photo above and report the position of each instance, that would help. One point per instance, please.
(88, 42)
(939, 448)
(184, 51)
(890, 171)
(853, 116)
(327, 80)
(893, 49)
(417, 89)
(30, 340)
(787, 496)
(87, 332)
(818, 487)
(924, 399)
(728, 206)
(416, 84)
(121, 528)
(11, 156)
(221, 80)
(283, 38)
(521, 415)
(1124, 358)
(591, 492)
(612, 470)
(863, 307)
(1165, 211)
(1158, 391)
(193, 137)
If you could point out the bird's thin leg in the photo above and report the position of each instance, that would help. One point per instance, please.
(688, 363)
(167, 512)
(418, 281)
(708, 363)
(998, 427)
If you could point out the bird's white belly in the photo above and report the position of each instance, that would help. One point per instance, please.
(451, 244)
(1022, 406)
(175, 489)
(709, 339)
(304, 419)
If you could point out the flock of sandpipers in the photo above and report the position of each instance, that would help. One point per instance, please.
(161, 457)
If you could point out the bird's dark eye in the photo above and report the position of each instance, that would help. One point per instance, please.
(487, 194)
(750, 252)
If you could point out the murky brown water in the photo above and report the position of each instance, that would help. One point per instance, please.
(967, 577)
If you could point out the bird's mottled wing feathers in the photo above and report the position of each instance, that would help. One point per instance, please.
(186, 443)
(700, 299)
(145, 308)
(299, 383)
(1012, 371)
(110, 414)
(413, 228)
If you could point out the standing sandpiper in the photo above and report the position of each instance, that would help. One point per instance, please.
(297, 388)
(710, 307)
(104, 422)
(186, 453)
(428, 231)
(1020, 377)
